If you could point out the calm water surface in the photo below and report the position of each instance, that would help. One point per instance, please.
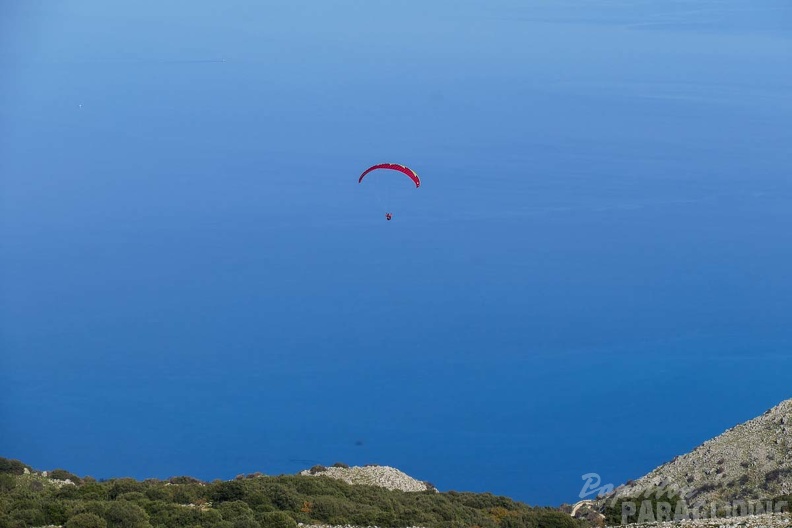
(594, 276)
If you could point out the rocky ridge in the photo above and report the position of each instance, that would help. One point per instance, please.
(751, 461)
(382, 476)
(781, 520)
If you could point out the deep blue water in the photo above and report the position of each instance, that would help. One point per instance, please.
(594, 276)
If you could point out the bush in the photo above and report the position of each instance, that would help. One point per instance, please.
(184, 480)
(29, 517)
(226, 491)
(92, 491)
(133, 496)
(276, 520)
(13, 467)
(62, 474)
(282, 497)
(341, 465)
(319, 486)
(86, 520)
(551, 519)
(7, 482)
(246, 523)
(185, 494)
(159, 493)
(124, 485)
(90, 506)
(328, 510)
(56, 511)
(777, 474)
(235, 510)
(126, 515)
(317, 469)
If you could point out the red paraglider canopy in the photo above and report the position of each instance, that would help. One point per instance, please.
(393, 166)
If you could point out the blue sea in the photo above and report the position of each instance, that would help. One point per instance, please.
(593, 277)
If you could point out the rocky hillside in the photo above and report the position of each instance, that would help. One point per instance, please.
(382, 476)
(751, 461)
(782, 520)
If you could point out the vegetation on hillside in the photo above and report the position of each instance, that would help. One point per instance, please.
(30, 499)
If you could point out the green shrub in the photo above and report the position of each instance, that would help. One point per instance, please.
(7, 482)
(29, 516)
(246, 523)
(282, 497)
(90, 506)
(55, 510)
(319, 486)
(62, 474)
(121, 486)
(235, 510)
(158, 492)
(93, 491)
(185, 494)
(329, 510)
(134, 496)
(226, 491)
(276, 520)
(13, 467)
(184, 480)
(554, 519)
(86, 520)
(66, 492)
(122, 514)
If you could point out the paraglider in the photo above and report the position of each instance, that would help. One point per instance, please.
(395, 167)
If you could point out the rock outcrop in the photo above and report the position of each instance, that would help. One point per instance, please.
(752, 521)
(752, 461)
(383, 476)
